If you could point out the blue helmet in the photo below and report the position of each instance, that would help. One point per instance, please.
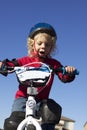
(42, 27)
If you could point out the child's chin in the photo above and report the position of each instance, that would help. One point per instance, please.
(42, 56)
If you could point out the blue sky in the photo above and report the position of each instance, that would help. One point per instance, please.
(69, 18)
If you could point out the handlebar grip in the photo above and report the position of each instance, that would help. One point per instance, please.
(62, 69)
(76, 72)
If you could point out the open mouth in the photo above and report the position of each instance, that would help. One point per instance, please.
(42, 53)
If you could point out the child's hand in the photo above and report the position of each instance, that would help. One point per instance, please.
(70, 69)
(0, 64)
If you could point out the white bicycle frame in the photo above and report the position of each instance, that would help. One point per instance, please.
(23, 74)
(29, 119)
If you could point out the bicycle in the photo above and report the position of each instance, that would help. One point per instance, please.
(32, 77)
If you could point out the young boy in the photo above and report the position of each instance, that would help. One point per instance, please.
(41, 43)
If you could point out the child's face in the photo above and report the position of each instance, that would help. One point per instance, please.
(42, 44)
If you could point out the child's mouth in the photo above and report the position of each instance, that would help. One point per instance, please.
(42, 53)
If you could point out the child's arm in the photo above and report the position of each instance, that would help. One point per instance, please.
(5, 63)
(69, 76)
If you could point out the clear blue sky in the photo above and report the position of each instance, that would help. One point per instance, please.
(69, 18)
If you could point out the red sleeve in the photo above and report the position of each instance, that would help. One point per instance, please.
(66, 78)
(63, 77)
(12, 62)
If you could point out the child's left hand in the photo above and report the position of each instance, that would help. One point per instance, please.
(70, 69)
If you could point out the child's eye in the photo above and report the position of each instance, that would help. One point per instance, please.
(39, 43)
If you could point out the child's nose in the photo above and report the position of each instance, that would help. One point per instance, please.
(43, 45)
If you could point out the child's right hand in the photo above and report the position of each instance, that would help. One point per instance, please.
(0, 64)
(1, 69)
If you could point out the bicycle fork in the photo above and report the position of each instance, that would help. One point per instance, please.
(30, 123)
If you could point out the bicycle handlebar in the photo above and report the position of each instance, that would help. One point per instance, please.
(9, 69)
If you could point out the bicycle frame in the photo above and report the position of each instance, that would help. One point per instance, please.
(29, 119)
(31, 91)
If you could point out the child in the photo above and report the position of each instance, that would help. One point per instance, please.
(41, 43)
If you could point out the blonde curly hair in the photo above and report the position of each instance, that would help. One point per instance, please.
(30, 43)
